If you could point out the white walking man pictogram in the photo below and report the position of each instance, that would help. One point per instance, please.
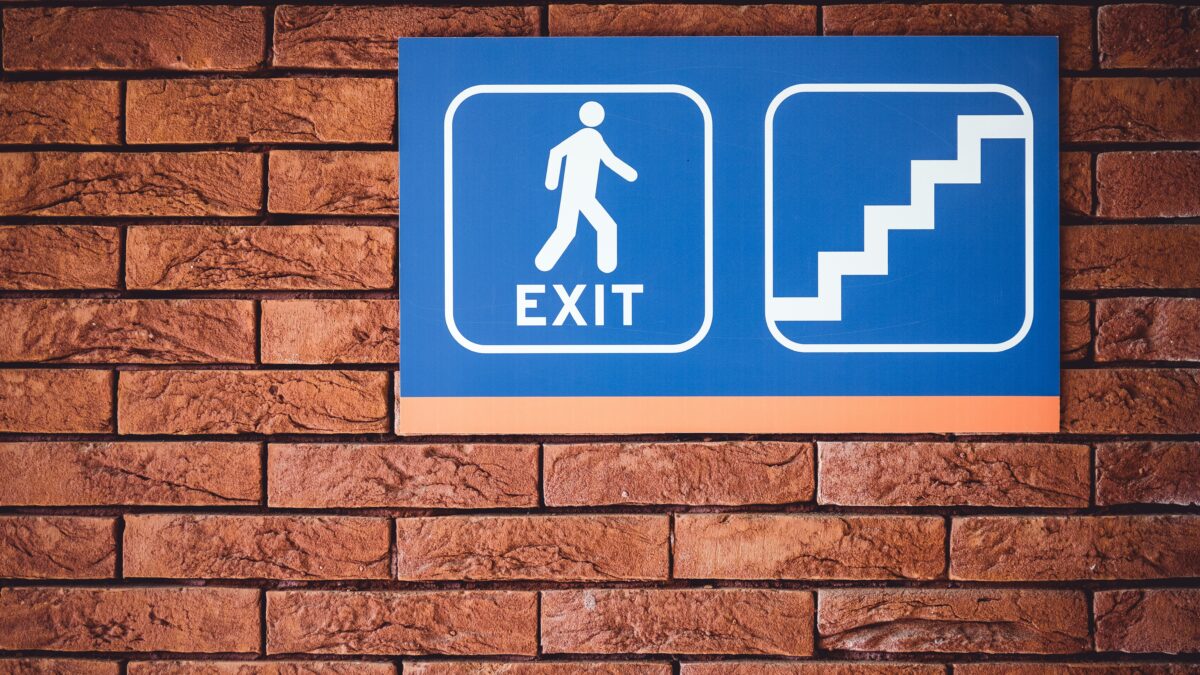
(583, 151)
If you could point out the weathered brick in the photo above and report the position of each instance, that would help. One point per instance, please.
(681, 19)
(693, 621)
(1075, 182)
(954, 474)
(1138, 668)
(1130, 256)
(128, 331)
(1057, 548)
(195, 620)
(1151, 620)
(1158, 184)
(256, 547)
(241, 401)
(56, 401)
(260, 668)
(1131, 401)
(34, 666)
(735, 472)
(312, 36)
(259, 257)
(953, 621)
(330, 331)
(134, 38)
(382, 622)
(1149, 36)
(1147, 329)
(1076, 318)
(528, 668)
(1072, 24)
(67, 111)
(97, 474)
(57, 547)
(52, 257)
(771, 546)
(482, 475)
(554, 548)
(293, 110)
(333, 182)
(1130, 109)
(1148, 472)
(811, 668)
(130, 184)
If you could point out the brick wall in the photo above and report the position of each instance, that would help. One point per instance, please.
(198, 472)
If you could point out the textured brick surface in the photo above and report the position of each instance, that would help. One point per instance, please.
(1147, 329)
(50, 257)
(56, 401)
(260, 668)
(1148, 473)
(1075, 182)
(1149, 36)
(1156, 184)
(57, 547)
(330, 331)
(1130, 256)
(682, 19)
(333, 183)
(1076, 320)
(1130, 109)
(1133, 400)
(1152, 620)
(497, 668)
(39, 666)
(1140, 668)
(811, 668)
(72, 111)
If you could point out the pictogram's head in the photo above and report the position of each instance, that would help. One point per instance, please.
(591, 114)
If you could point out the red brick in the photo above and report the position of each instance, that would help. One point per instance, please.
(67, 111)
(130, 184)
(1152, 620)
(1072, 24)
(811, 668)
(1076, 318)
(735, 472)
(1099, 257)
(1130, 109)
(529, 668)
(954, 474)
(770, 546)
(259, 668)
(195, 620)
(480, 475)
(1148, 472)
(311, 36)
(56, 401)
(330, 331)
(1159, 184)
(1131, 401)
(333, 183)
(383, 622)
(260, 257)
(1149, 36)
(1137, 668)
(128, 331)
(296, 110)
(1147, 329)
(694, 621)
(53, 257)
(57, 547)
(35, 666)
(953, 621)
(681, 19)
(1075, 182)
(129, 474)
(1059, 548)
(134, 38)
(553, 548)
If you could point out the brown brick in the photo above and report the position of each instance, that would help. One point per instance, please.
(1152, 620)
(681, 19)
(693, 621)
(954, 474)
(466, 476)
(312, 36)
(555, 548)
(128, 331)
(196, 620)
(1131, 401)
(67, 111)
(1148, 473)
(333, 183)
(1131, 109)
(260, 257)
(811, 668)
(735, 472)
(1147, 329)
(52, 257)
(57, 547)
(1149, 36)
(294, 110)
(134, 38)
(1130, 256)
(260, 668)
(383, 622)
(770, 546)
(1075, 182)
(953, 621)
(130, 184)
(527, 668)
(256, 547)
(1137, 668)
(1072, 24)
(1159, 184)
(1057, 548)
(59, 666)
(330, 331)
(56, 401)
(1076, 318)
(98, 474)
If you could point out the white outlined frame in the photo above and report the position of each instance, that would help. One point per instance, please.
(769, 206)
(448, 179)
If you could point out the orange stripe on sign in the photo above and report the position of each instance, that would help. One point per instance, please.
(726, 414)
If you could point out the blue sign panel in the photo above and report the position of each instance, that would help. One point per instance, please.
(643, 235)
